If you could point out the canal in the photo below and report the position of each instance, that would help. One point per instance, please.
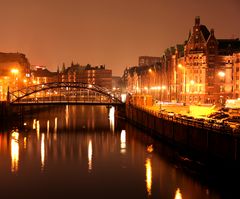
(84, 152)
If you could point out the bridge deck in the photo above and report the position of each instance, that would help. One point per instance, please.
(67, 103)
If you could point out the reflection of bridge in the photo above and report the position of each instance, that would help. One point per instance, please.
(64, 93)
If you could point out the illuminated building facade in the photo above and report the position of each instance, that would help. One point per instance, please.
(98, 75)
(202, 70)
(42, 75)
(148, 60)
(14, 72)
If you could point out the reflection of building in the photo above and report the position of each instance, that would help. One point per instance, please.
(97, 75)
(202, 70)
(14, 72)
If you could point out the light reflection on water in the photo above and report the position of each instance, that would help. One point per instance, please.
(14, 151)
(123, 142)
(34, 123)
(55, 128)
(42, 151)
(112, 118)
(90, 152)
(178, 194)
(38, 129)
(67, 116)
(148, 166)
(82, 160)
(25, 142)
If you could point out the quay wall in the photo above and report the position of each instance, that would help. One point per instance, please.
(194, 137)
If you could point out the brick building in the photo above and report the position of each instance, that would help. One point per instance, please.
(97, 75)
(14, 72)
(148, 60)
(42, 75)
(202, 70)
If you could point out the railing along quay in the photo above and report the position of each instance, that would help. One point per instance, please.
(194, 122)
(206, 138)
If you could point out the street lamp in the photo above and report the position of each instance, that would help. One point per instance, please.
(153, 72)
(161, 90)
(221, 74)
(192, 82)
(184, 74)
(150, 85)
(15, 72)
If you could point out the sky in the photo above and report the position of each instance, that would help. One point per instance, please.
(110, 32)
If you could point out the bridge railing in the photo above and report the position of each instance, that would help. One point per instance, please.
(64, 91)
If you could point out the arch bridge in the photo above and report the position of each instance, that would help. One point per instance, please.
(64, 93)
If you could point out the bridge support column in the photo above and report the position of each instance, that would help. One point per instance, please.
(8, 95)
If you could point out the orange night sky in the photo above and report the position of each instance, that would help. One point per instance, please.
(110, 32)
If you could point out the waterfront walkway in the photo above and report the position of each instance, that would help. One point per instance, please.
(184, 115)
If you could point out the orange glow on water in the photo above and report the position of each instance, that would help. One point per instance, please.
(123, 142)
(90, 152)
(42, 151)
(178, 194)
(150, 148)
(148, 166)
(14, 152)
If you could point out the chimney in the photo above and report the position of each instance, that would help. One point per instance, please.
(197, 21)
(212, 31)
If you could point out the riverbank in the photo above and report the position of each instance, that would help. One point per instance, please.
(194, 137)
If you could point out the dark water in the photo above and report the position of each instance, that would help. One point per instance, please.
(83, 152)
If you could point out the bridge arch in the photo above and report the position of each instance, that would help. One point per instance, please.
(64, 92)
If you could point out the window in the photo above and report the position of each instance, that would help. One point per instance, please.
(221, 88)
(210, 84)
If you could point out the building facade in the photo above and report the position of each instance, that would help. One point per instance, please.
(97, 75)
(42, 75)
(148, 60)
(14, 72)
(75, 73)
(202, 70)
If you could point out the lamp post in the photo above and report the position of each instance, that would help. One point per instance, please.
(149, 80)
(162, 88)
(221, 74)
(15, 72)
(184, 76)
(153, 72)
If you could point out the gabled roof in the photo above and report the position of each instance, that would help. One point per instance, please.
(205, 32)
(43, 73)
